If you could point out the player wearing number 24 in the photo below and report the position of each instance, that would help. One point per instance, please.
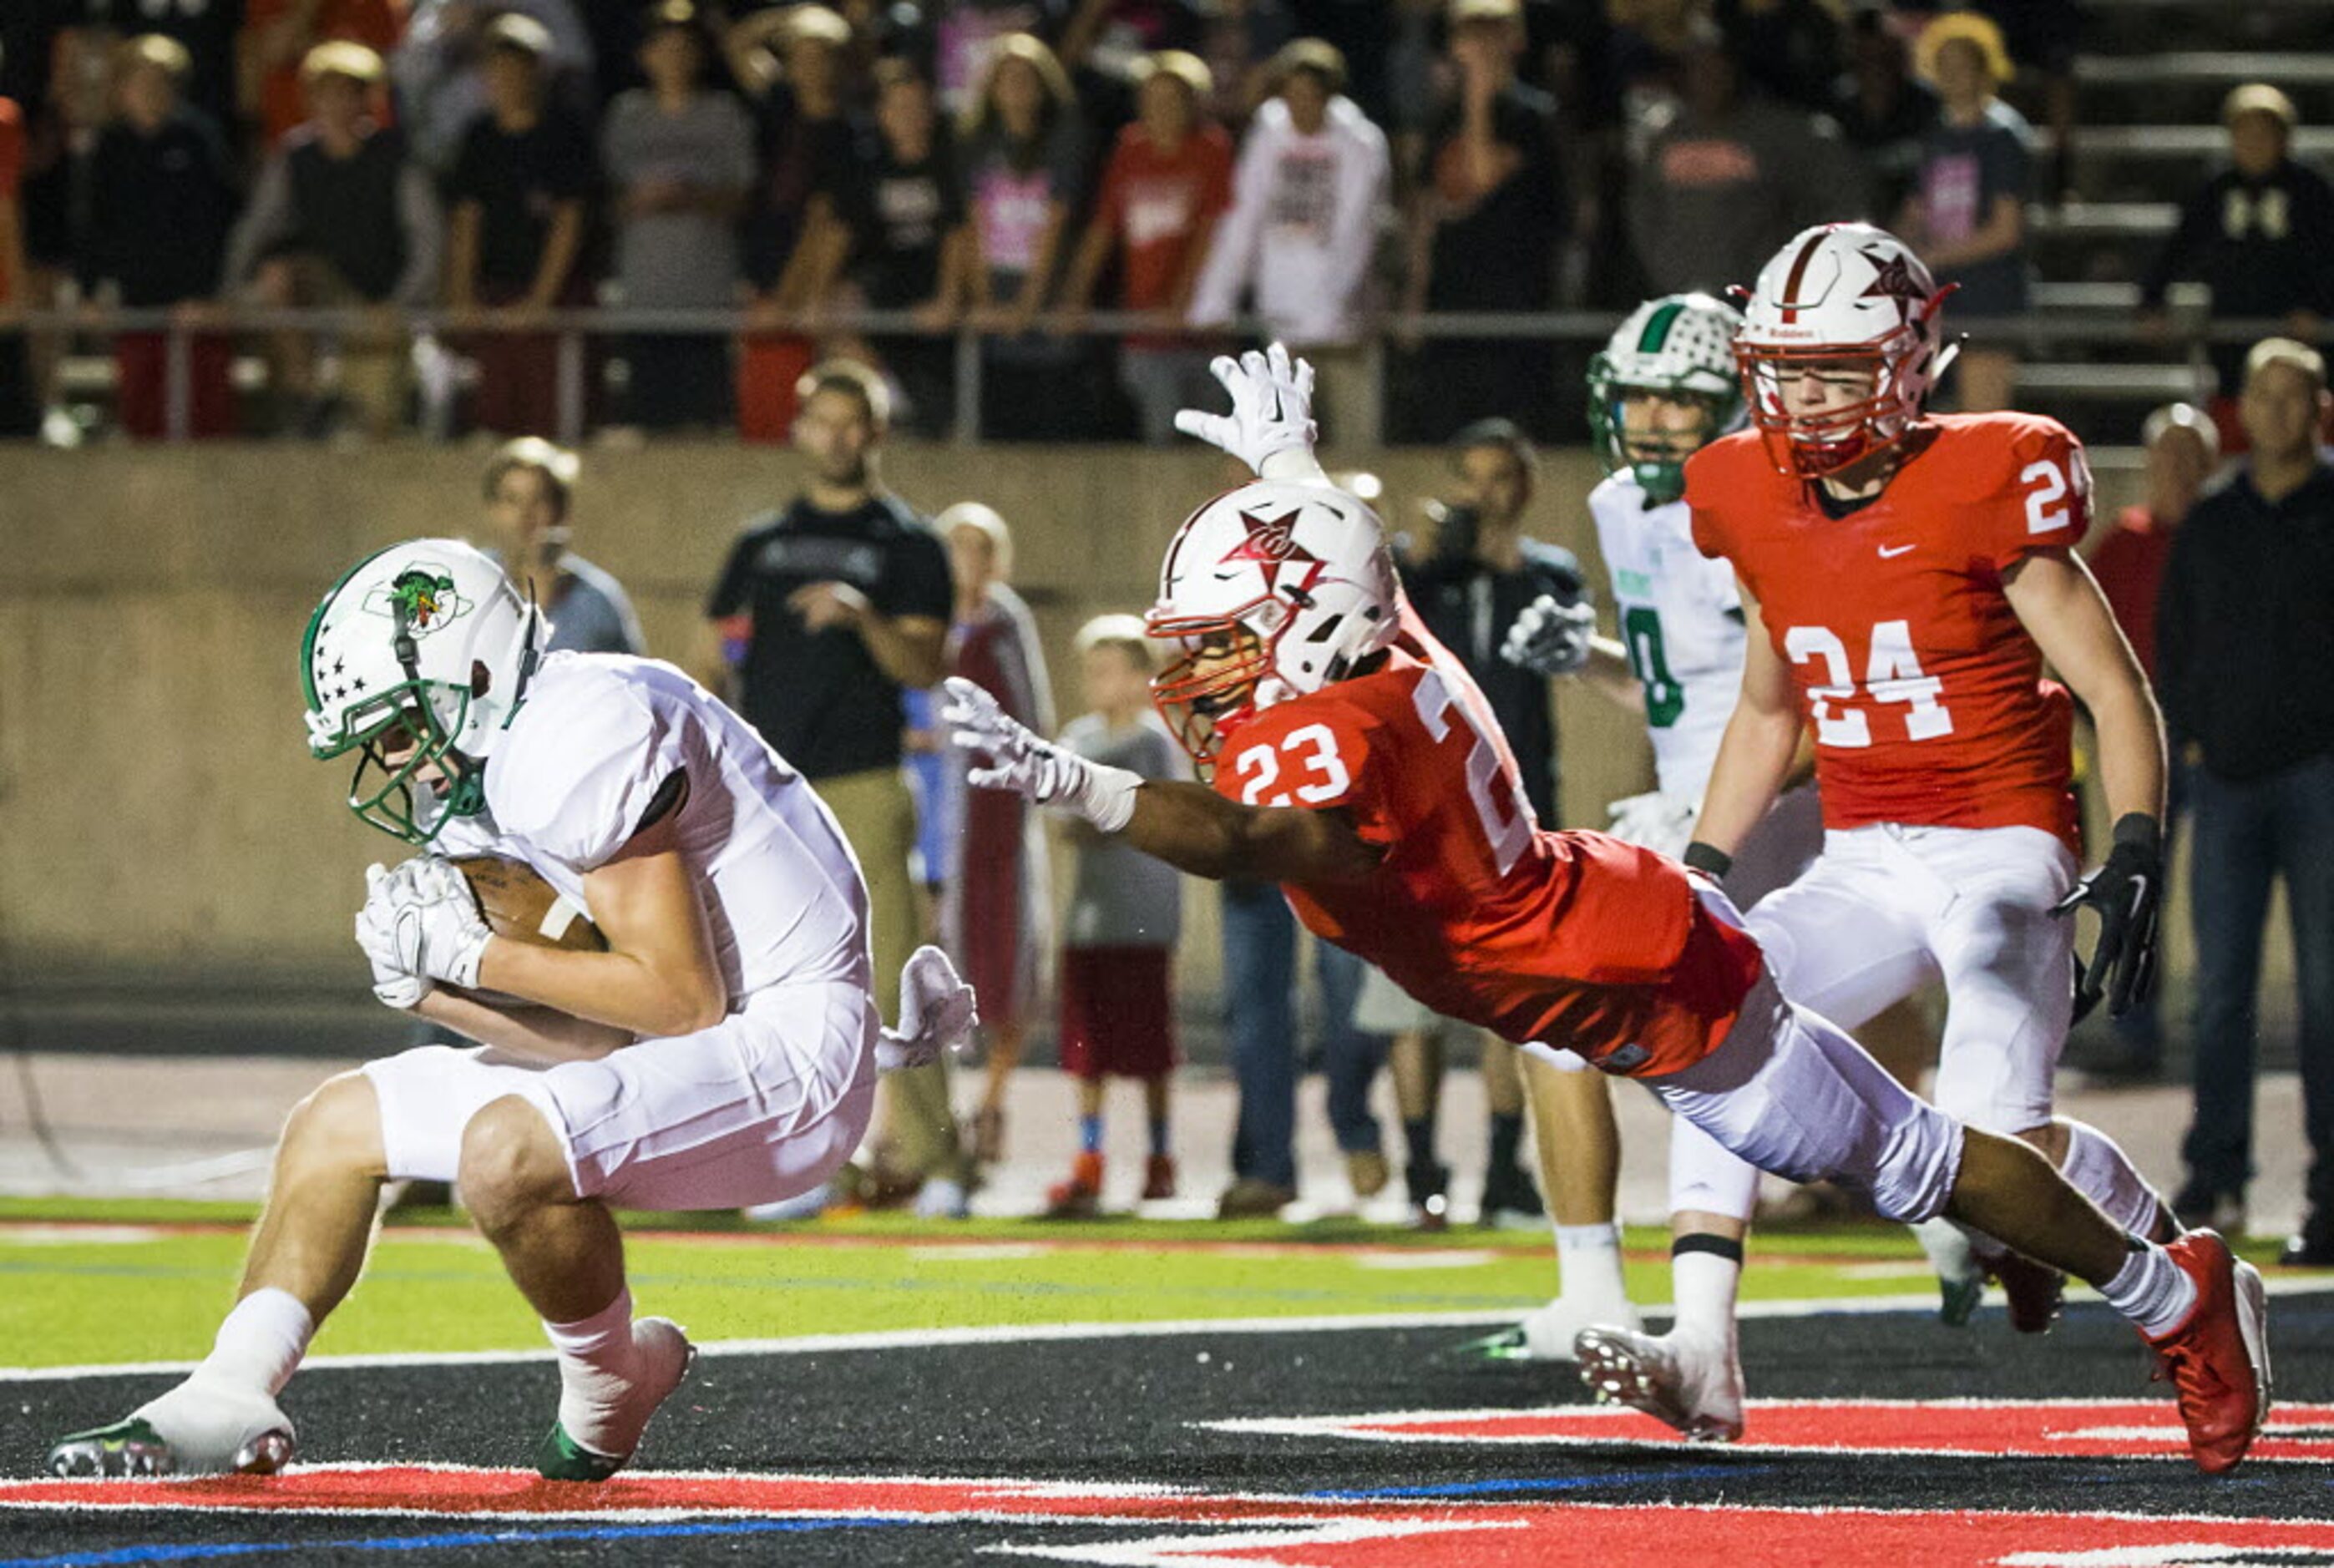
(1351, 761)
(1912, 574)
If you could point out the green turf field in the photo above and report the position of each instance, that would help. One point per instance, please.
(109, 1282)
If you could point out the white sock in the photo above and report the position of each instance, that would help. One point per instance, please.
(261, 1342)
(1588, 1263)
(2099, 1170)
(595, 1367)
(2151, 1289)
(1703, 1285)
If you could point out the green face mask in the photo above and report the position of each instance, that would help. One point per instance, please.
(399, 734)
(1662, 477)
(396, 737)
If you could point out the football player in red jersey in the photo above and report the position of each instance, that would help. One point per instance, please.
(1353, 762)
(1911, 575)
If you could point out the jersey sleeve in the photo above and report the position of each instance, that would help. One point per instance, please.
(2045, 500)
(1707, 485)
(1312, 754)
(581, 804)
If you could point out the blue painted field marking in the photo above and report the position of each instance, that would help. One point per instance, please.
(195, 1552)
(1507, 1485)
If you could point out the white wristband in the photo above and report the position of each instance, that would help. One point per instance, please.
(1106, 796)
(1292, 465)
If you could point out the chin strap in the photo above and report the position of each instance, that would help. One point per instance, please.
(529, 655)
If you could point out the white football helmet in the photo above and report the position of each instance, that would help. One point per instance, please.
(1683, 347)
(420, 655)
(1271, 590)
(1840, 296)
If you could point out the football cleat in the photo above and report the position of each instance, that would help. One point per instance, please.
(2217, 1359)
(203, 1427)
(1687, 1381)
(665, 1354)
(2034, 1293)
(1549, 1334)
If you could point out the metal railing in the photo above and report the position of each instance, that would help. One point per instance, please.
(2181, 341)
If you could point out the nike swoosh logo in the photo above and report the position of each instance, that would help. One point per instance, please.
(1888, 554)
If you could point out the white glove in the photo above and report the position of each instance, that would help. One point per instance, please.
(937, 1014)
(1654, 821)
(1551, 638)
(433, 928)
(392, 982)
(1036, 769)
(1270, 427)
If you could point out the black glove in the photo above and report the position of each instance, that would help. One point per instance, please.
(2126, 889)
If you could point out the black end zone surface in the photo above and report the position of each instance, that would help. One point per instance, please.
(1124, 1411)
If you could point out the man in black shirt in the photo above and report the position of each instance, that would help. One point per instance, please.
(2260, 234)
(1488, 220)
(823, 614)
(2245, 670)
(905, 208)
(515, 228)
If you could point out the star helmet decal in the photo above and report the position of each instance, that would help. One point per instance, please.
(427, 596)
(1270, 544)
(1893, 279)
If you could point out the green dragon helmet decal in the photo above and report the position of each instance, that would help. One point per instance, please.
(418, 659)
(1681, 347)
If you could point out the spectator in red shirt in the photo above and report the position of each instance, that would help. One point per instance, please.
(2182, 450)
(20, 414)
(2183, 447)
(277, 35)
(1169, 180)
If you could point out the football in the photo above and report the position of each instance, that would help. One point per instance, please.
(519, 904)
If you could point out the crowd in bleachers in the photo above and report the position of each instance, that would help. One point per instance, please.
(1334, 167)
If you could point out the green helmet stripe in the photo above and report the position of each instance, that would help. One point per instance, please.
(1657, 326)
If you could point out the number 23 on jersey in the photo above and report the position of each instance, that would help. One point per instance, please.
(1305, 769)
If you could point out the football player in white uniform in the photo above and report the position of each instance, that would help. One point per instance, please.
(1665, 386)
(721, 1053)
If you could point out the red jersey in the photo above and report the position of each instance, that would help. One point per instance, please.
(1156, 202)
(1926, 693)
(1573, 938)
(11, 165)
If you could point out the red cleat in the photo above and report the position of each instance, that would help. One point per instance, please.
(2032, 1292)
(1079, 1197)
(2218, 1359)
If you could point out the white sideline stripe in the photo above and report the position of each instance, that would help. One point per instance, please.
(1038, 1333)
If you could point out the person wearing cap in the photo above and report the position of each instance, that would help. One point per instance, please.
(342, 218)
(277, 37)
(438, 67)
(1167, 181)
(529, 489)
(162, 200)
(680, 157)
(1966, 214)
(2258, 234)
(515, 231)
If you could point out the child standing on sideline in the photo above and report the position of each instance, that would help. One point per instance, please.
(1118, 949)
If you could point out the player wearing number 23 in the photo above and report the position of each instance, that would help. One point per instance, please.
(1353, 762)
(1912, 574)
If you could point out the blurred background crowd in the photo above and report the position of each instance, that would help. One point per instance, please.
(1079, 197)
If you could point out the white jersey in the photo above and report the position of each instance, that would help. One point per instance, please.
(1680, 617)
(598, 736)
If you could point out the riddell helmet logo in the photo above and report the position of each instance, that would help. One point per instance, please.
(1271, 543)
(426, 595)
